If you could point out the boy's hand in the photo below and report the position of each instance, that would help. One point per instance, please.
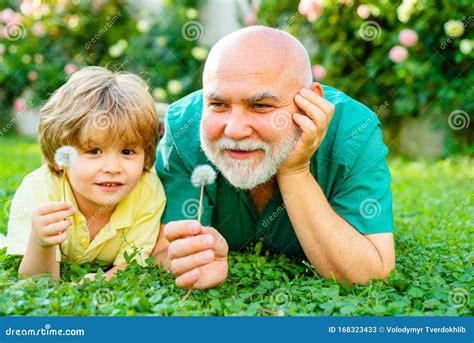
(197, 254)
(50, 222)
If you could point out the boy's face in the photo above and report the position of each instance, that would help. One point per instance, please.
(102, 176)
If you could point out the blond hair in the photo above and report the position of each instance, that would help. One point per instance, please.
(94, 100)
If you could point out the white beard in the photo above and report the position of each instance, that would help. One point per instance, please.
(251, 172)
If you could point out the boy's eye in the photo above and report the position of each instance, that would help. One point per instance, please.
(128, 152)
(95, 151)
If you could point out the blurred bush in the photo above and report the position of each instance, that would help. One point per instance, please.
(42, 42)
(401, 58)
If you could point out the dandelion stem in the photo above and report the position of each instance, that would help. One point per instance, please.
(200, 204)
(187, 295)
(65, 179)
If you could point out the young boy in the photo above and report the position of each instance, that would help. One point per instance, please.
(107, 202)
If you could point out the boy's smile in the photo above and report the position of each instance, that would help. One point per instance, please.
(110, 186)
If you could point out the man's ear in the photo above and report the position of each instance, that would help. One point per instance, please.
(316, 87)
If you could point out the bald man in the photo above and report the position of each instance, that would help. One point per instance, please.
(301, 168)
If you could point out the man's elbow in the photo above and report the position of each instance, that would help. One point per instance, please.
(386, 270)
(381, 272)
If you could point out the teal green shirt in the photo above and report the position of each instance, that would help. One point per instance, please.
(349, 166)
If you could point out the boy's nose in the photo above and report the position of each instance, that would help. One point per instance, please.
(112, 165)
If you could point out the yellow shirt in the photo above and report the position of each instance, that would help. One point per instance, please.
(135, 221)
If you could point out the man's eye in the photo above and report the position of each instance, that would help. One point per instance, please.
(261, 106)
(217, 104)
(128, 152)
(95, 151)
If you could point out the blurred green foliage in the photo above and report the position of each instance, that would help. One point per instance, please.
(351, 40)
(43, 42)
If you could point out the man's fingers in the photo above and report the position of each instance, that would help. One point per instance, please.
(179, 266)
(188, 246)
(181, 229)
(221, 248)
(187, 280)
(314, 113)
(310, 133)
(56, 228)
(51, 207)
(326, 106)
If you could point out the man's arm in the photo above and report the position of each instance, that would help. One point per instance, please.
(333, 246)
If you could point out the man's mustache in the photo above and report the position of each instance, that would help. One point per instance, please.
(226, 143)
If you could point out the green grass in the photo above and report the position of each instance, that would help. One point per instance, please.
(434, 273)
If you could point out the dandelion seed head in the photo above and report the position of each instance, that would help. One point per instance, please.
(203, 175)
(65, 155)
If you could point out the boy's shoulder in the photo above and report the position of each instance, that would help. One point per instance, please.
(147, 194)
(41, 172)
(150, 183)
(41, 179)
(145, 199)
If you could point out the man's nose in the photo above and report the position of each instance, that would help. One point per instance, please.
(237, 126)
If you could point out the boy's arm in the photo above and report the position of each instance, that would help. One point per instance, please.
(49, 226)
(113, 271)
(39, 260)
(108, 275)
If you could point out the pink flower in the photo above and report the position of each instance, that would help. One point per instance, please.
(319, 72)
(363, 11)
(311, 9)
(32, 75)
(408, 37)
(19, 105)
(255, 7)
(250, 19)
(44, 9)
(38, 30)
(6, 14)
(28, 8)
(70, 68)
(10, 17)
(33, 8)
(398, 54)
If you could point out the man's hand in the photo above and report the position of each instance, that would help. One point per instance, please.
(197, 254)
(49, 223)
(314, 123)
